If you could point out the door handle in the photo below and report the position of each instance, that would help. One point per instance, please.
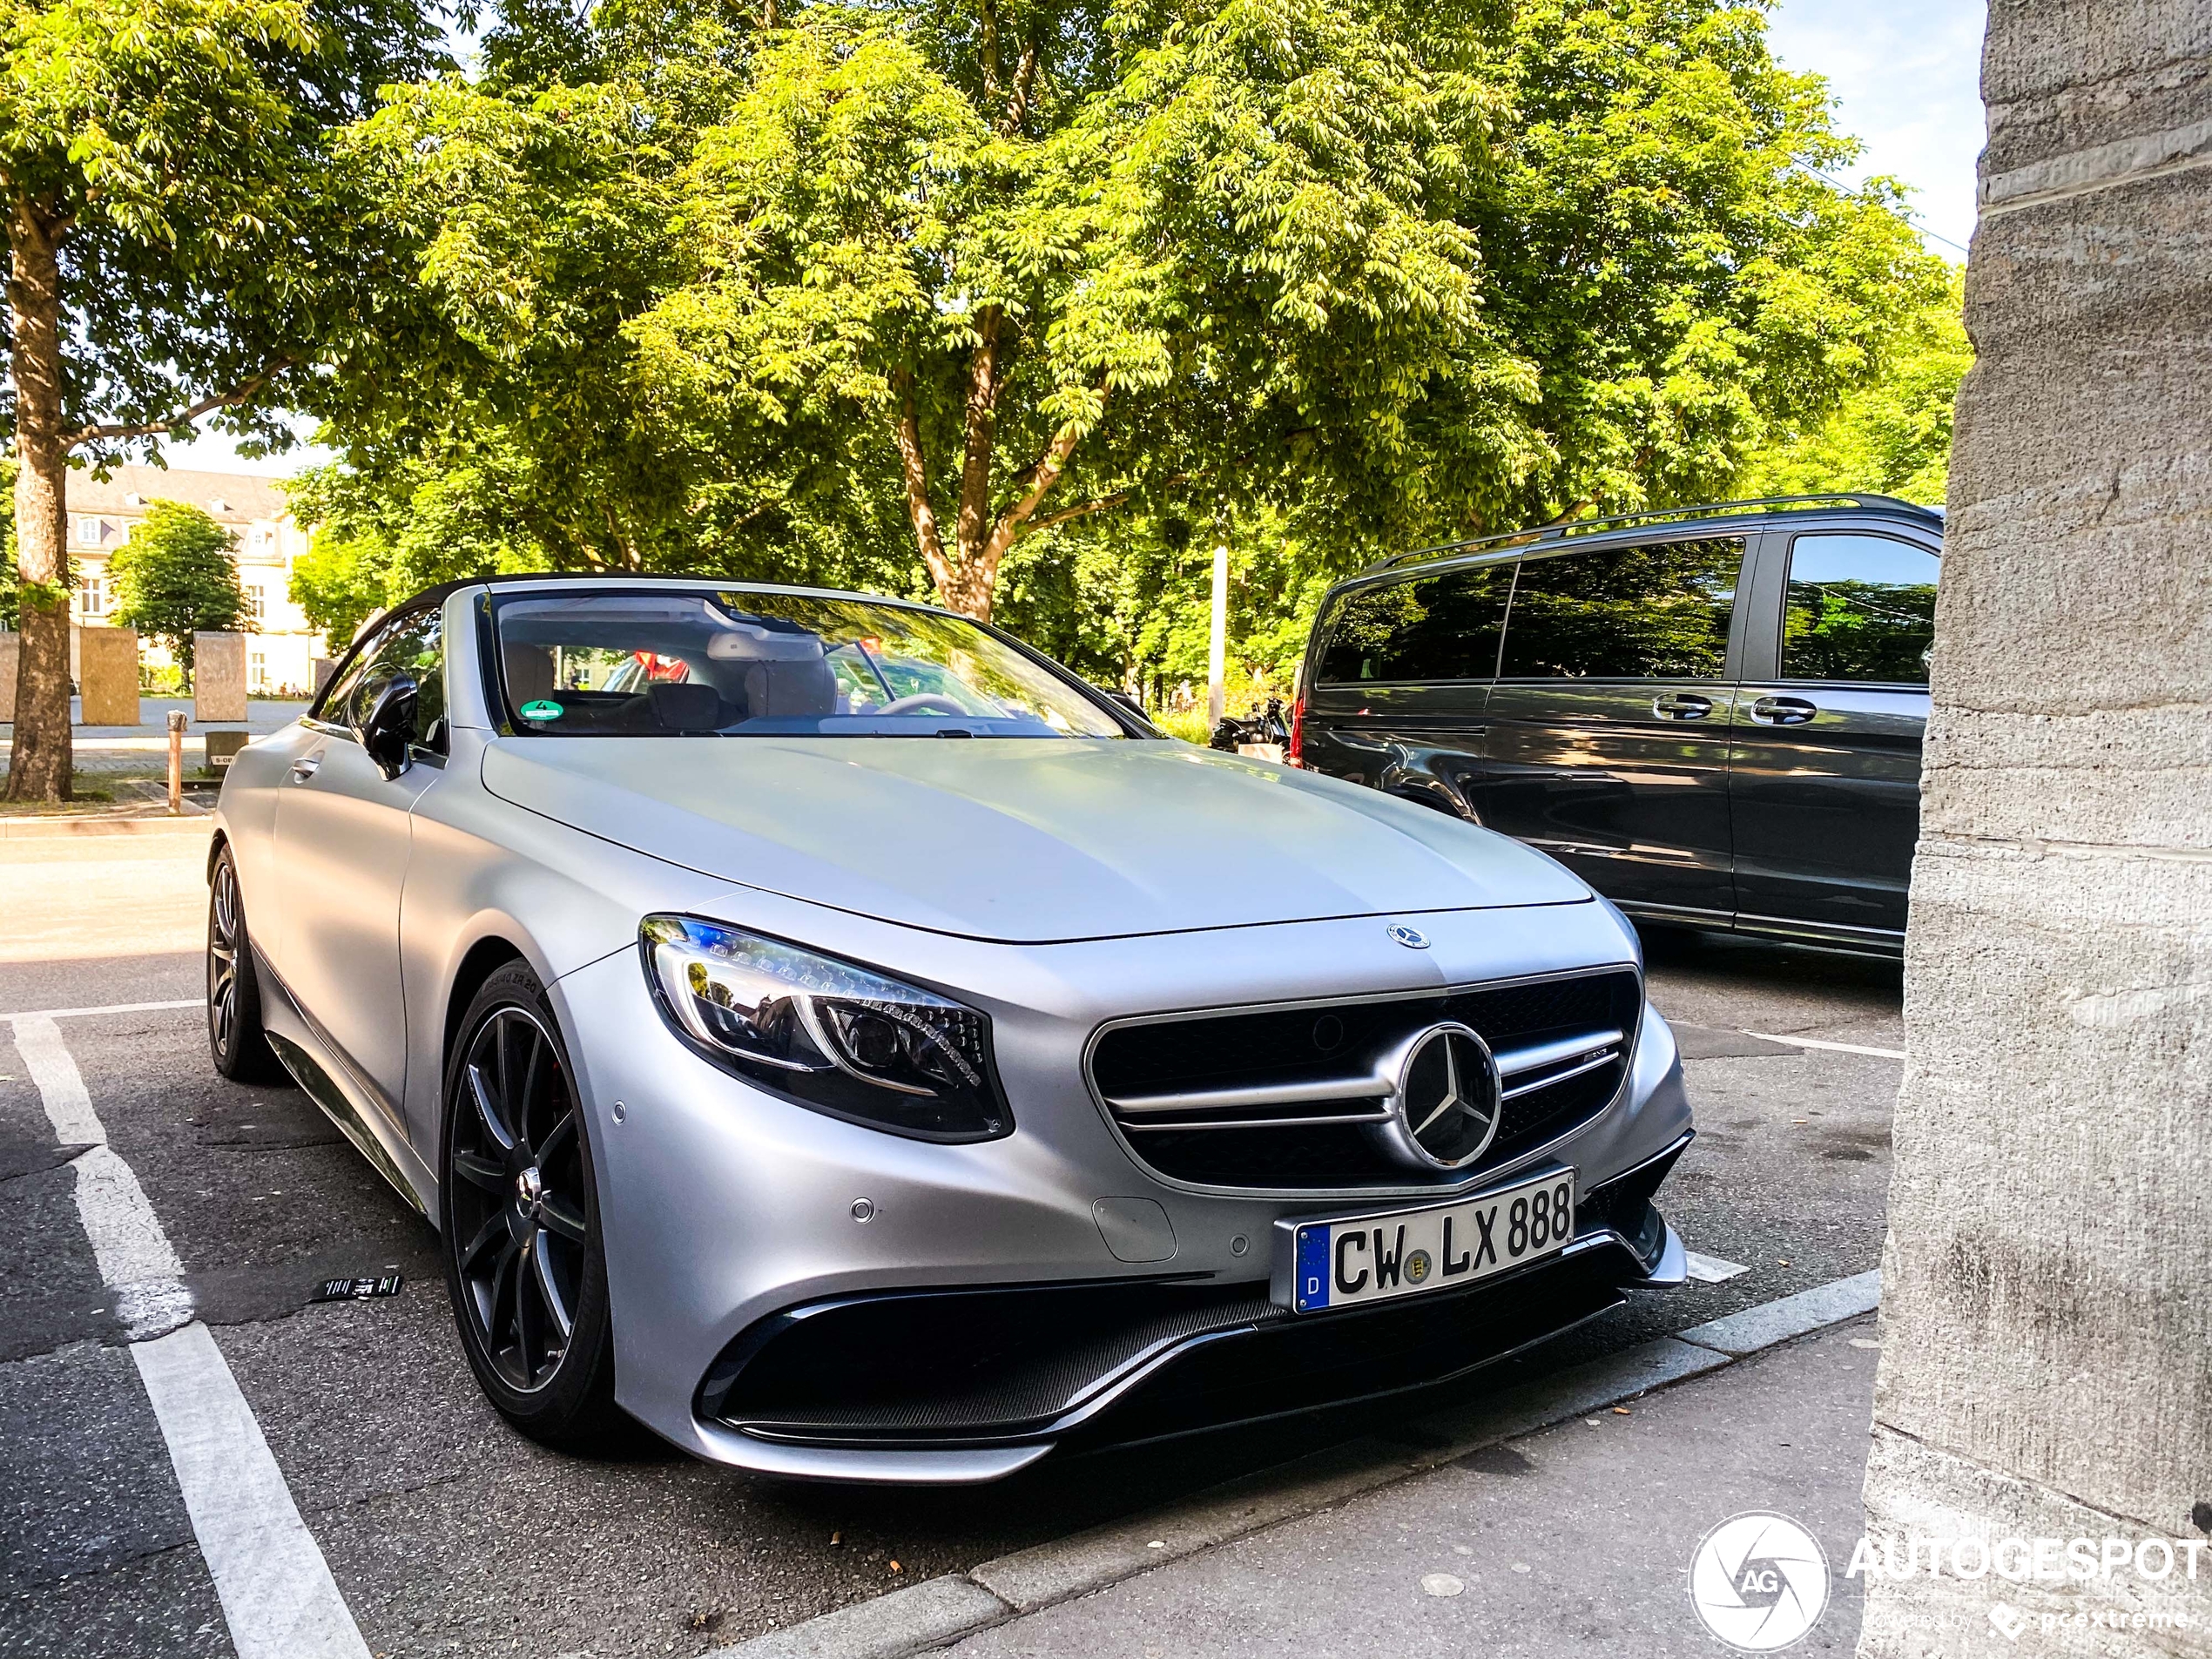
(1680, 705)
(306, 768)
(1784, 711)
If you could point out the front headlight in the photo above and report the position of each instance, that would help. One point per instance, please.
(825, 1034)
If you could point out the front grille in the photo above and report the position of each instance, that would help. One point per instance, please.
(1289, 1099)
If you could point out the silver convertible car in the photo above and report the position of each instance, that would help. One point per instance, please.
(830, 1033)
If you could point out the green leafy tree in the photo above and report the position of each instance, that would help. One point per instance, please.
(178, 575)
(1892, 435)
(181, 246)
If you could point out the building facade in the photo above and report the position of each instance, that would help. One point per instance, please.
(282, 647)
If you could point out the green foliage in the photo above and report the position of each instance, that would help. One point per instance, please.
(9, 579)
(1892, 435)
(1030, 304)
(177, 575)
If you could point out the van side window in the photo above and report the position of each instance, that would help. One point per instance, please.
(1442, 627)
(1659, 611)
(1859, 608)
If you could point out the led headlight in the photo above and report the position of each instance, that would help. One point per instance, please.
(825, 1034)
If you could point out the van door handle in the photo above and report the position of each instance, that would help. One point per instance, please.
(306, 768)
(1680, 705)
(1784, 711)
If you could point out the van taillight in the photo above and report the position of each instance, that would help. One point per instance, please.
(1296, 752)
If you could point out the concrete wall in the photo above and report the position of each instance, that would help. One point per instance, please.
(219, 677)
(107, 678)
(2046, 1361)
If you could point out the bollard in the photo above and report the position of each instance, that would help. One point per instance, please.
(176, 761)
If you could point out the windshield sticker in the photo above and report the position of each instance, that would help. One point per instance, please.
(541, 710)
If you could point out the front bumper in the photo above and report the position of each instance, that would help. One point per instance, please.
(980, 1317)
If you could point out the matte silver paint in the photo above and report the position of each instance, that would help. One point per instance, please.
(1054, 885)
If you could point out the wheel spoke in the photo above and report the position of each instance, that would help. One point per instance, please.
(527, 1100)
(488, 1235)
(530, 1317)
(556, 1139)
(561, 1216)
(480, 1171)
(556, 1307)
(488, 1110)
(500, 1315)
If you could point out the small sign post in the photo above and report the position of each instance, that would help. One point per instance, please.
(176, 761)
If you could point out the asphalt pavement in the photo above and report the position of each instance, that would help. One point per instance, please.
(445, 1534)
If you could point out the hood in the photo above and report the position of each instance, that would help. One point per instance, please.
(1023, 840)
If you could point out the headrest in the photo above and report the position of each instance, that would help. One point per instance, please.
(530, 671)
(678, 706)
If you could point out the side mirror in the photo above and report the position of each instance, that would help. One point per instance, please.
(1123, 700)
(388, 728)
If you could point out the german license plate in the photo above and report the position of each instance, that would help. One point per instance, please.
(1356, 1259)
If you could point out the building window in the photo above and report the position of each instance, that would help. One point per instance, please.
(255, 599)
(91, 594)
(257, 673)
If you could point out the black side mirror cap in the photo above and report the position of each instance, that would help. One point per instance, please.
(388, 727)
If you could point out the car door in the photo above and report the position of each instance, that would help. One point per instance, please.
(342, 838)
(1824, 772)
(1608, 736)
(1400, 681)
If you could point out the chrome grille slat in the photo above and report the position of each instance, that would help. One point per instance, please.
(1229, 1100)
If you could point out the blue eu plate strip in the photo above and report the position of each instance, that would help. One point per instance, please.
(1311, 1291)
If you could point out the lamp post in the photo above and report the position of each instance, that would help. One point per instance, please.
(1218, 638)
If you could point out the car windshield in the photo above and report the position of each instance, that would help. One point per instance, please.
(670, 663)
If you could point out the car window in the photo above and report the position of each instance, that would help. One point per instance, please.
(411, 644)
(1443, 627)
(675, 662)
(1858, 607)
(1658, 612)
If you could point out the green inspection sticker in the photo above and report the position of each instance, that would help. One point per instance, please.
(541, 710)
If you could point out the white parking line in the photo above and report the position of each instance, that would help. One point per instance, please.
(111, 1008)
(277, 1593)
(1833, 1047)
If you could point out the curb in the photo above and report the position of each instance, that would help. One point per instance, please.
(940, 1611)
(65, 827)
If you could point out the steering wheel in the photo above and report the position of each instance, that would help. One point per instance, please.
(926, 703)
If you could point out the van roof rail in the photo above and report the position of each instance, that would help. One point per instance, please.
(1562, 531)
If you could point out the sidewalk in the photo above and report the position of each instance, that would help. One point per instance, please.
(1574, 1540)
(1557, 1518)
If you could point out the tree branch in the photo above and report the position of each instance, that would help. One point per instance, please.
(973, 516)
(1104, 504)
(245, 391)
(1017, 104)
(916, 470)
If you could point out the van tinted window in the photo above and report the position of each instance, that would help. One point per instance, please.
(1443, 627)
(1658, 612)
(1860, 608)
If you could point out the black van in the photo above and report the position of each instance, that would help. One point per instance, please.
(1713, 715)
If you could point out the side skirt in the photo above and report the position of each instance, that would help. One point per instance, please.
(314, 1063)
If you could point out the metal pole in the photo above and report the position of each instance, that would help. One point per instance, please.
(177, 760)
(1217, 641)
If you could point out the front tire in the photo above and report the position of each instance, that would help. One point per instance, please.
(519, 1213)
(235, 1039)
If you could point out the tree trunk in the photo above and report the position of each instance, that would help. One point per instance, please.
(2047, 1287)
(40, 766)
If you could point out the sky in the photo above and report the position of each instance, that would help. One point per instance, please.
(1905, 76)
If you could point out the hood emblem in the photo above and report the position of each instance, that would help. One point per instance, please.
(1445, 1110)
(1412, 938)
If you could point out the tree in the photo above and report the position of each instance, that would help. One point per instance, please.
(177, 576)
(1018, 301)
(179, 246)
(1893, 435)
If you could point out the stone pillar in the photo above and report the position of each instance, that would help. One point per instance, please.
(2046, 1339)
(218, 677)
(107, 677)
(10, 656)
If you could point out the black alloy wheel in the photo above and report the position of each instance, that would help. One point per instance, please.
(521, 1219)
(235, 1039)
